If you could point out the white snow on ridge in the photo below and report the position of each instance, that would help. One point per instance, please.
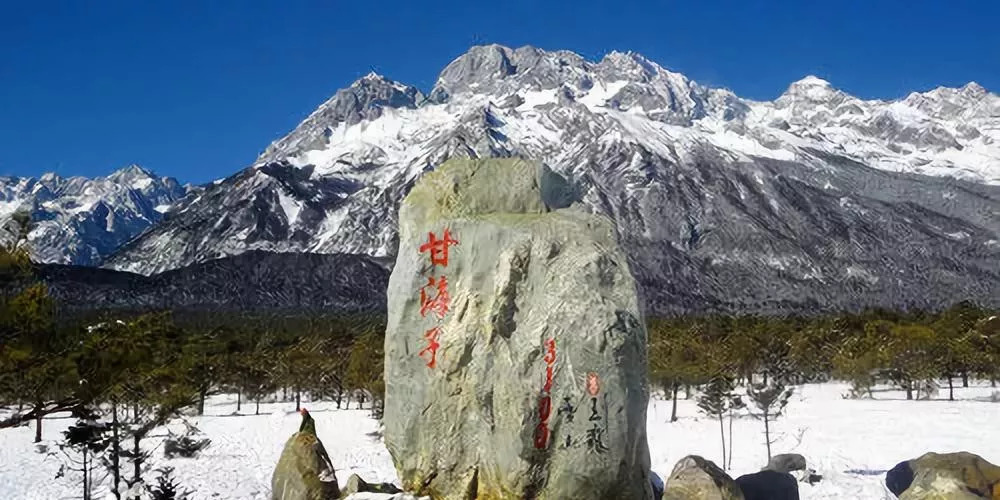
(142, 183)
(290, 206)
(599, 94)
(534, 98)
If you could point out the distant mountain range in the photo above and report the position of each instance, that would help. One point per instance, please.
(81, 221)
(816, 200)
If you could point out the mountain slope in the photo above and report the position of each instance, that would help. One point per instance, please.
(79, 220)
(814, 200)
(252, 281)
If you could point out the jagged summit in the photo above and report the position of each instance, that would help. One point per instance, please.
(811, 81)
(810, 88)
(134, 174)
(974, 90)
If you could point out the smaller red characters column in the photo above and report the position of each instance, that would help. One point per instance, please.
(545, 403)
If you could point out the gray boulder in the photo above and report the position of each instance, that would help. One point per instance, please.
(515, 350)
(945, 476)
(355, 484)
(786, 462)
(695, 478)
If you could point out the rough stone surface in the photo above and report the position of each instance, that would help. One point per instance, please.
(355, 484)
(786, 462)
(695, 478)
(768, 485)
(304, 471)
(543, 313)
(949, 476)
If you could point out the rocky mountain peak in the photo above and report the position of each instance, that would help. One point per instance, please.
(133, 175)
(499, 71)
(974, 90)
(811, 88)
(365, 99)
(49, 178)
(630, 66)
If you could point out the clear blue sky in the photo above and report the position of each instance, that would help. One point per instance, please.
(196, 89)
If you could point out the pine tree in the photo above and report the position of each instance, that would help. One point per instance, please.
(36, 361)
(908, 356)
(716, 400)
(166, 487)
(87, 438)
(770, 399)
(365, 366)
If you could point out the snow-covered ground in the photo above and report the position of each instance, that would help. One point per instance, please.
(850, 442)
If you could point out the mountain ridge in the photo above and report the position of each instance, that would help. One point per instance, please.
(816, 197)
(252, 281)
(80, 220)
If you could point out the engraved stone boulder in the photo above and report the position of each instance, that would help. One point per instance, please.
(515, 350)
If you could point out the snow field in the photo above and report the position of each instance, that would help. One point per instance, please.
(850, 442)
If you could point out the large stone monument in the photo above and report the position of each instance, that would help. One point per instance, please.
(515, 351)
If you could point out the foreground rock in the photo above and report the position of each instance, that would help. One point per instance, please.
(768, 485)
(945, 476)
(515, 352)
(794, 464)
(786, 462)
(304, 471)
(357, 485)
(695, 478)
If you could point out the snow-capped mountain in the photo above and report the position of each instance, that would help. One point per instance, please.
(817, 197)
(78, 220)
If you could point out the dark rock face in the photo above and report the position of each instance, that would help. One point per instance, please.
(768, 485)
(657, 482)
(515, 350)
(253, 281)
(899, 478)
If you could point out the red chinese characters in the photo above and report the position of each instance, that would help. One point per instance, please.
(438, 248)
(432, 346)
(545, 404)
(440, 302)
(434, 296)
(593, 384)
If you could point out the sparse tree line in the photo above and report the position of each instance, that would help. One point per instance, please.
(130, 376)
(915, 352)
(123, 375)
